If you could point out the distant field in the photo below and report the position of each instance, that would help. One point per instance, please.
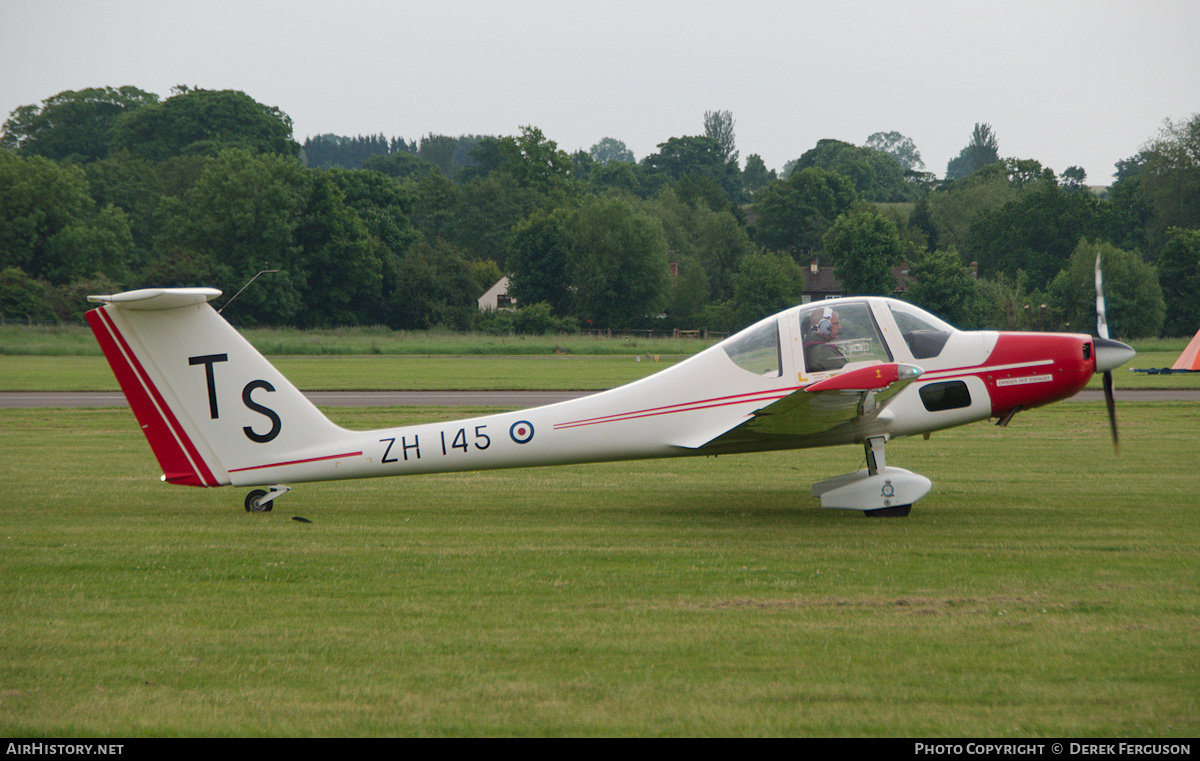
(439, 373)
(1044, 588)
(77, 340)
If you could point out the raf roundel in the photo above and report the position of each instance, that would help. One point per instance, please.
(521, 431)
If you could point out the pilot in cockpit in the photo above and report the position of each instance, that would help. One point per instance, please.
(821, 329)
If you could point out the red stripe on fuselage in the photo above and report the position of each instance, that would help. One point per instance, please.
(181, 463)
(670, 409)
(299, 462)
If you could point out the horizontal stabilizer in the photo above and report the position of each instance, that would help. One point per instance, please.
(152, 299)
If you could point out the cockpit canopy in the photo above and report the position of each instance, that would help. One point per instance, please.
(832, 334)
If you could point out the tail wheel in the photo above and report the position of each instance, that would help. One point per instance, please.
(254, 503)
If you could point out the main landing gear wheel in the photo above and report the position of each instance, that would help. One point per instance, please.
(254, 503)
(896, 511)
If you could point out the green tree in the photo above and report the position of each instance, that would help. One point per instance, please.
(334, 151)
(899, 147)
(617, 262)
(1179, 275)
(535, 161)
(582, 166)
(954, 205)
(680, 157)
(342, 262)
(755, 176)
(1036, 233)
(400, 165)
(50, 227)
(721, 243)
(21, 296)
(981, 151)
(620, 175)
(485, 211)
(1134, 305)
(718, 125)
(434, 289)
(1169, 181)
(384, 205)
(1074, 180)
(241, 214)
(702, 234)
(38, 199)
(940, 283)
(863, 246)
(875, 174)
(204, 122)
(483, 158)
(434, 201)
(794, 214)
(68, 301)
(765, 283)
(72, 124)
(484, 275)
(688, 293)
(439, 151)
(609, 149)
(136, 186)
(98, 246)
(1009, 304)
(537, 261)
(1131, 212)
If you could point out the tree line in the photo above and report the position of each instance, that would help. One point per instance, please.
(115, 188)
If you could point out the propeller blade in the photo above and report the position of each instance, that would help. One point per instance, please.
(1109, 355)
(1112, 410)
(1101, 319)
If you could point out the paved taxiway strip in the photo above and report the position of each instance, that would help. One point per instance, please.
(509, 399)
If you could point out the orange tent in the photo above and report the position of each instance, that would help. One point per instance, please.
(1190, 358)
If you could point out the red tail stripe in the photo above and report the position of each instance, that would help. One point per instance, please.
(298, 462)
(172, 447)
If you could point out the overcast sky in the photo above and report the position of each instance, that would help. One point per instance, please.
(1064, 82)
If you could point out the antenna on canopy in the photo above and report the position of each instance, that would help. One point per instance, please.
(244, 287)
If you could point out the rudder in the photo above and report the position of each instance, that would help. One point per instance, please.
(208, 402)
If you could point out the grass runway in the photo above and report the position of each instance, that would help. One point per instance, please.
(1045, 587)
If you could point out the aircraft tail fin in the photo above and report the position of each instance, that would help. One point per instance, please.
(213, 409)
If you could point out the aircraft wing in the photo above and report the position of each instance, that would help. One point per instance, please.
(856, 396)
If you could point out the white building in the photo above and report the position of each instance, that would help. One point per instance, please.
(497, 297)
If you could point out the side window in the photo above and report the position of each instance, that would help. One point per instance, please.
(925, 334)
(757, 350)
(837, 336)
(950, 395)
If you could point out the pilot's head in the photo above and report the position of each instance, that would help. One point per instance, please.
(827, 326)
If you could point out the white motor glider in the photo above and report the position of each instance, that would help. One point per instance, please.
(843, 371)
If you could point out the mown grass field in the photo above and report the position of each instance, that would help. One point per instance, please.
(77, 340)
(1045, 587)
(466, 373)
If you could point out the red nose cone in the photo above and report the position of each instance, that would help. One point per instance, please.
(1031, 369)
